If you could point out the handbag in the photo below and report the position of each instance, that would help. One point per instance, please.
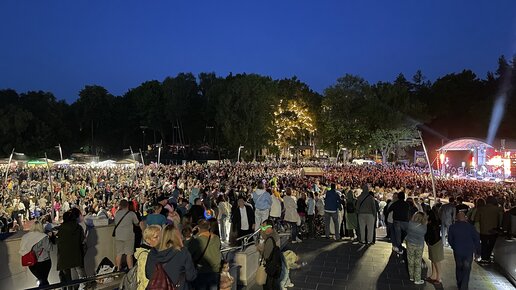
(30, 259)
(261, 275)
(118, 223)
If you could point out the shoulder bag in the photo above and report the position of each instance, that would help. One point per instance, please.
(118, 223)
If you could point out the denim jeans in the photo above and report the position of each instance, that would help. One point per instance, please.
(463, 270)
(400, 231)
(293, 229)
(331, 216)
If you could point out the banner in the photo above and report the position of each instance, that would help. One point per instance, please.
(419, 158)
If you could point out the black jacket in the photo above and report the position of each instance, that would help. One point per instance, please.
(236, 219)
(401, 211)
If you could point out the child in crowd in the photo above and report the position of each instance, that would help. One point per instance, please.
(226, 281)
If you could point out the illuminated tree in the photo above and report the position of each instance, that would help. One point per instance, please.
(293, 124)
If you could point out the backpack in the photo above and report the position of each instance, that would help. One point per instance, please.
(273, 262)
(130, 279)
(160, 280)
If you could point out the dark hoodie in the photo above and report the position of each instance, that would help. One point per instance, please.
(174, 262)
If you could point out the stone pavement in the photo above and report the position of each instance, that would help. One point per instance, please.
(343, 265)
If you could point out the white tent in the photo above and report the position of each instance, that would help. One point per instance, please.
(64, 162)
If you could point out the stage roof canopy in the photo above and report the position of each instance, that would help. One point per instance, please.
(464, 144)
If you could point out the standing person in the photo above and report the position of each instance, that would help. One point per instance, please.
(366, 209)
(310, 214)
(291, 215)
(388, 219)
(301, 207)
(156, 218)
(205, 251)
(490, 219)
(151, 236)
(242, 219)
(351, 214)
(465, 242)
(415, 244)
(331, 206)
(275, 214)
(124, 234)
(271, 242)
(69, 247)
(224, 212)
(447, 214)
(38, 242)
(173, 257)
(262, 203)
(196, 211)
(400, 217)
(461, 206)
(435, 247)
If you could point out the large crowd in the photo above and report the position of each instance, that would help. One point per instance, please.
(185, 213)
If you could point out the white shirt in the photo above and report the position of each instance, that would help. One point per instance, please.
(244, 223)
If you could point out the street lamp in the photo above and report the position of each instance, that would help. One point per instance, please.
(159, 151)
(432, 178)
(143, 135)
(239, 148)
(338, 153)
(60, 151)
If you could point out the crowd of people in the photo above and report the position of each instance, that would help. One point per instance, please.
(185, 213)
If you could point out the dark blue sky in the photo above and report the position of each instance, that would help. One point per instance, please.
(60, 46)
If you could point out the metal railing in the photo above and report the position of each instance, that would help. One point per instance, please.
(86, 280)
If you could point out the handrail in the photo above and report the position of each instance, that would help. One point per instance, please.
(77, 281)
(248, 239)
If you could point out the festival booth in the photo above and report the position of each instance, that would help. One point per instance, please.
(312, 171)
(64, 162)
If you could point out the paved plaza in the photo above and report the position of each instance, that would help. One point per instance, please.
(343, 265)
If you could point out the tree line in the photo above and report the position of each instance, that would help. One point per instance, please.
(259, 112)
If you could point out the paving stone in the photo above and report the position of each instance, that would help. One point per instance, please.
(344, 266)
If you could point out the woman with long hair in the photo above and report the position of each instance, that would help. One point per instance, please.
(435, 247)
(38, 242)
(415, 244)
(175, 259)
(291, 215)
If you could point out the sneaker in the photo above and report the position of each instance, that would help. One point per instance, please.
(411, 280)
(419, 282)
(290, 285)
(294, 242)
(298, 240)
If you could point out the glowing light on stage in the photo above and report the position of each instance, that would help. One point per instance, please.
(495, 161)
(442, 158)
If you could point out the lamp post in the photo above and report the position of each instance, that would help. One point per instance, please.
(338, 153)
(159, 151)
(7, 168)
(51, 187)
(60, 151)
(432, 178)
(238, 156)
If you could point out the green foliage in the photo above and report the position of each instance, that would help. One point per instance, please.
(226, 112)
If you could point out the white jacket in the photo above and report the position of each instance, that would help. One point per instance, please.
(275, 207)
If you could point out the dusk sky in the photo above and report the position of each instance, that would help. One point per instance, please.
(61, 46)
